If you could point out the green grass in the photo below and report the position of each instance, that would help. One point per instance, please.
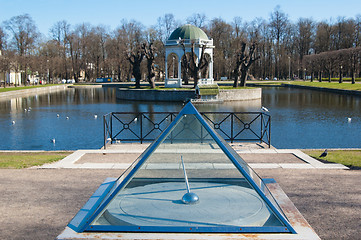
(7, 89)
(350, 158)
(347, 79)
(334, 85)
(231, 87)
(269, 83)
(19, 160)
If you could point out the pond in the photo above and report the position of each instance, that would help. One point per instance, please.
(300, 118)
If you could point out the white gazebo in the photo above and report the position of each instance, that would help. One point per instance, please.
(174, 52)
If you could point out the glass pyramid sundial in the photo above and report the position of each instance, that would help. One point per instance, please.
(188, 180)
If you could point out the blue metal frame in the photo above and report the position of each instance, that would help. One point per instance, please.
(166, 229)
(81, 218)
(243, 167)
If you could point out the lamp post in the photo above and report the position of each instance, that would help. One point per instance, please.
(304, 79)
(289, 67)
(340, 80)
(47, 61)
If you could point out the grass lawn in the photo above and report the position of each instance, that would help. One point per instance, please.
(350, 158)
(29, 159)
(336, 85)
(7, 89)
(231, 87)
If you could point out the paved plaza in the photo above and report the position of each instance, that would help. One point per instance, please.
(38, 203)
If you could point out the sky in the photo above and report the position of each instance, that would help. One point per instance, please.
(46, 13)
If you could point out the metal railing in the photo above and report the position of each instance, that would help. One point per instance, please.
(147, 126)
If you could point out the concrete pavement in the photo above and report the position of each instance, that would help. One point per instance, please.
(258, 156)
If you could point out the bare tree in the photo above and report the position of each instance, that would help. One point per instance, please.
(358, 30)
(135, 58)
(134, 40)
(278, 24)
(193, 63)
(244, 60)
(197, 19)
(149, 53)
(24, 33)
(59, 33)
(4, 60)
(354, 57)
(24, 36)
(165, 25)
(117, 53)
(343, 34)
(2, 39)
(74, 41)
(323, 37)
(304, 37)
(222, 34)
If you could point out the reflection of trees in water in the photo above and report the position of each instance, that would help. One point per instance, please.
(67, 97)
(300, 98)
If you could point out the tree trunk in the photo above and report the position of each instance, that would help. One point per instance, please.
(195, 78)
(151, 74)
(119, 73)
(236, 80)
(137, 75)
(243, 78)
(185, 70)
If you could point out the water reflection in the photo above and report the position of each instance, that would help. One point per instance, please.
(300, 118)
(313, 119)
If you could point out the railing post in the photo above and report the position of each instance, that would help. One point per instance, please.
(171, 133)
(111, 128)
(104, 132)
(141, 127)
(232, 119)
(261, 140)
(269, 132)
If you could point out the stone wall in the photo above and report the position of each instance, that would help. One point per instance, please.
(155, 95)
(240, 94)
(31, 91)
(185, 95)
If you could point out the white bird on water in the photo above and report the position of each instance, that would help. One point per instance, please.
(67, 118)
(135, 119)
(349, 119)
(53, 140)
(264, 109)
(57, 115)
(13, 122)
(95, 116)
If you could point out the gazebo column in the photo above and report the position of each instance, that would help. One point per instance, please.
(166, 68)
(211, 69)
(179, 68)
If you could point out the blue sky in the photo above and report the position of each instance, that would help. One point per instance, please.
(110, 12)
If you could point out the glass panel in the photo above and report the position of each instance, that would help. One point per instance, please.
(189, 181)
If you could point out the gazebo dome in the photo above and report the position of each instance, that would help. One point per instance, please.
(188, 31)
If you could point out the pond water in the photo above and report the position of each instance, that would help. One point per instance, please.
(300, 118)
